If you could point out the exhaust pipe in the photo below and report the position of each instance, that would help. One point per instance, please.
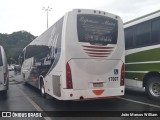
(81, 98)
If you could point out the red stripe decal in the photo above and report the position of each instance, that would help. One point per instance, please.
(97, 56)
(98, 50)
(98, 53)
(98, 47)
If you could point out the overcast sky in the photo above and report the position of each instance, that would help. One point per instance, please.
(16, 15)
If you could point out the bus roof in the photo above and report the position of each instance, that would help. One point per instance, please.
(142, 19)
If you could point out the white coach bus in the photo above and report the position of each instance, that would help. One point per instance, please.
(142, 40)
(80, 57)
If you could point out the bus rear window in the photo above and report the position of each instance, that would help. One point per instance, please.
(96, 29)
(1, 62)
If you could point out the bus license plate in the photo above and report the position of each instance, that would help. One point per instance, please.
(97, 84)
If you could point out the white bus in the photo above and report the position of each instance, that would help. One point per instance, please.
(80, 57)
(142, 40)
(4, 79)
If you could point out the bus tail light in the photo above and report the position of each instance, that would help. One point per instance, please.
(69, 84)
(5, 75)
(122, 75)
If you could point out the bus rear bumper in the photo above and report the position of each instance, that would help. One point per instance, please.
(71, 94)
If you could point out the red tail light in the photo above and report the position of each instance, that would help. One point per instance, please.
(5, 77)
(68, 77)
(122, 75)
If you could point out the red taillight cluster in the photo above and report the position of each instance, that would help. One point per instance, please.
(69, 84)
(5, 77)
(122, 75)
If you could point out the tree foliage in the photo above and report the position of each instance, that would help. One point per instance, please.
(14, 43)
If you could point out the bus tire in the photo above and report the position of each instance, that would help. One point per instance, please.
(42, 89)
(5, 92)
(153, 88)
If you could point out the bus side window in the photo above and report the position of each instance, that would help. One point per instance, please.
(129, 38)
(156, 31)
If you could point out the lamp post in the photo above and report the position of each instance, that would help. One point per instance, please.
(47, 9)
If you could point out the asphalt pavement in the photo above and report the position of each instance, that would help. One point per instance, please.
(22, 97)
(15, 77)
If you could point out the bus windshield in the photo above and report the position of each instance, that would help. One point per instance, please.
(97, 29)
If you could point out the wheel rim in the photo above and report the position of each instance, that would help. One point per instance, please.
(155, 89)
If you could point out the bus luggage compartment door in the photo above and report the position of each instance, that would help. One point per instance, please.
(95, 73)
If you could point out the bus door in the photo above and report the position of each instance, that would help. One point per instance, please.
(27, 68)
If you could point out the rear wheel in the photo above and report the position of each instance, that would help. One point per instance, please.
(153, 88)
(42, 88)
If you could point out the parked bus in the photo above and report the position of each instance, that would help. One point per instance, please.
(142, 43)
(80, 57)
(4, 80)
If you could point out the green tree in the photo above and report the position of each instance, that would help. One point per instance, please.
(14, 43)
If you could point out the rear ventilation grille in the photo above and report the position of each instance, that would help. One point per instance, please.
(56, 85)
(98, 51)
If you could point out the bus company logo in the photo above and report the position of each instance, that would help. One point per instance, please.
(6, 114)
(21, 114)
(115, 71)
